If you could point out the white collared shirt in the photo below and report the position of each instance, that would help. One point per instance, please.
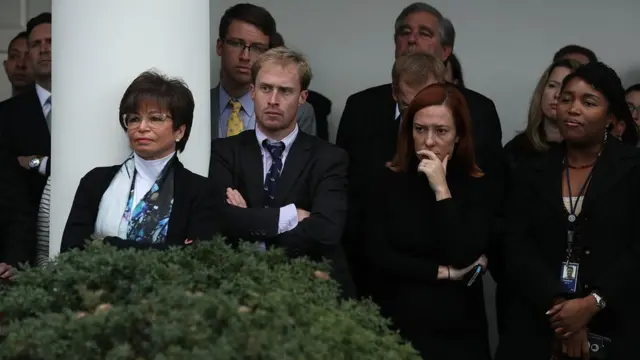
(43, 96)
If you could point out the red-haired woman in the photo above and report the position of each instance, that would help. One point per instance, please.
(430, 219)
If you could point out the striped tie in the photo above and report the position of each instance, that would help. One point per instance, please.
(270, 183)
(42, 226)
(234, 124)
(48, 117)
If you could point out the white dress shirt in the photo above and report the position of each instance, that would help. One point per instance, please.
(43, 96)
(288, 219)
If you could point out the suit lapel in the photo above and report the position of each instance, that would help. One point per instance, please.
(547, 178)
(252, 168)
(179, 210)
(215, 111)
(295, 162)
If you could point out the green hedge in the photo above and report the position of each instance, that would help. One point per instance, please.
(205, 301)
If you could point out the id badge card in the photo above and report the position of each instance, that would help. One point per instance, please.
(569, 276)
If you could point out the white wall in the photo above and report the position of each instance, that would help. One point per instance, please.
(504, 45)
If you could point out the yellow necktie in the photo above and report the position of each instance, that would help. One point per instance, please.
(234, 124)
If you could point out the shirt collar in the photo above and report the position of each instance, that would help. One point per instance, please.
(288, 140)
(43, 94)
(245, 100)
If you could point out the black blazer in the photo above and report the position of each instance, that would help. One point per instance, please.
(192, 216)
(17, 219)
(409, 234)
(314, 178)
(26, 133)
(608, 245)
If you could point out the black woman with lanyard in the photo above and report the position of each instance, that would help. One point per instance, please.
(572, 246)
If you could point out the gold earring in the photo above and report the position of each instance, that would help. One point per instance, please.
(177, 139)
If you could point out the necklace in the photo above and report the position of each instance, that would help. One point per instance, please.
(581, 167)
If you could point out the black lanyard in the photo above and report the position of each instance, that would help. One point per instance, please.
(571, 218)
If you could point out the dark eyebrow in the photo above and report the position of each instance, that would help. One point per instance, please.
(245, 42)
(285, 88)
(592, 96)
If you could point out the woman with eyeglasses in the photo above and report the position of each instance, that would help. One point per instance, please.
(151, 200)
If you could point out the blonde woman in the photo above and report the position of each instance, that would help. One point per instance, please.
(541, 124)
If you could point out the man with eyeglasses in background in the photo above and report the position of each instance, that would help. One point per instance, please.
(246, 32)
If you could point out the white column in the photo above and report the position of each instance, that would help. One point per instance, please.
(99, 47)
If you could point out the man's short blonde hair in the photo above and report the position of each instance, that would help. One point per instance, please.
(284, 57)
(417, 70)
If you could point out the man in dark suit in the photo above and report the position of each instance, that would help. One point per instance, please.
(26, 117)
(419, 28)
(368, 128)
(245, 32)
(283, 188)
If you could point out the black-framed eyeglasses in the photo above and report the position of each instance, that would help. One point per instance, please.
(154, 120)
(633, 108)
(254, 49)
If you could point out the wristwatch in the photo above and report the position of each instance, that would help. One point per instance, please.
(34, 163)
(600, 301)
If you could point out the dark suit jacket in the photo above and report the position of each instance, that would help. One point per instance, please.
(192, 216)
(322, 108)
(371, 112)
(368, 131)
(409, 234)
(607, 241)
(17, 220)
(26, 133)
(314, 178)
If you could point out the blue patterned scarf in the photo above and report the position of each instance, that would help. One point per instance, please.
(149, 221)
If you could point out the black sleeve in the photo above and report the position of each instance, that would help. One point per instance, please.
(17, 215)
(613, 282)
(82, 217)
(469, 221)
(379, 245)
(323, 229)
(250, 224)
(522, 260)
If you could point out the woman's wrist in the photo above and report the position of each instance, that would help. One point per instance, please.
(444, 273)
(442, 193)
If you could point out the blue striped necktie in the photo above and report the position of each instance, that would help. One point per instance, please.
(276, 150)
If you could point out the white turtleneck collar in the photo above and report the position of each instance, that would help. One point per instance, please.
(147, 174)
(151, 168)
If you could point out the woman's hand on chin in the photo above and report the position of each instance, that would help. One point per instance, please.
(436, 172)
